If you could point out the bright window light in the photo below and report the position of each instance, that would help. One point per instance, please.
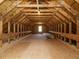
(39, 28)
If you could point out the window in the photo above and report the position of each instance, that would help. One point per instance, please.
(40, 28)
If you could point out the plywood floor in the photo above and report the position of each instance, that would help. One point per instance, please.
(39, 47)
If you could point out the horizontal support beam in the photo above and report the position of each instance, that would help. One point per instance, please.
(40, 5)
(45, 14)
(35, 10)
(40, 16)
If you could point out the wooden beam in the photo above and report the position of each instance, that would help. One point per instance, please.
(61, 19)
(35, 10)
(9, 27)
(18, 29)
(69, 8)
(1, 31)
(45, 14)
(77, 18)
(66, 19)
(40, 5)
(64, 31)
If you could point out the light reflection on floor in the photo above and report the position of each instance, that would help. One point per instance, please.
(34, 48)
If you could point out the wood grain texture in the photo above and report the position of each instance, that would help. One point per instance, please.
(38, 47)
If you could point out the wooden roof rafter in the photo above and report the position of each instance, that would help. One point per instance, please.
(54, 20)
(68, 19)
(61, 19)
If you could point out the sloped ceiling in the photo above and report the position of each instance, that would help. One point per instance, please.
(52, 11)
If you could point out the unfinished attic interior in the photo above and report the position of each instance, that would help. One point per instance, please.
(39, 29)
